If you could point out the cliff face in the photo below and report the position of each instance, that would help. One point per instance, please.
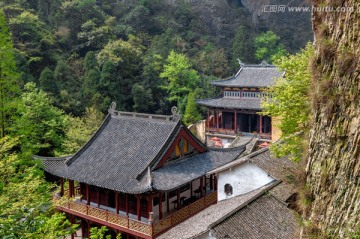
(333, 170)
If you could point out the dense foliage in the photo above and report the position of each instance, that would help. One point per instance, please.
(86, 53)
(289, 101)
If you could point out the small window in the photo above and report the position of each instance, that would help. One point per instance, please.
(228, 189)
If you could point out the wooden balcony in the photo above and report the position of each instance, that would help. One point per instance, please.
(126, 224)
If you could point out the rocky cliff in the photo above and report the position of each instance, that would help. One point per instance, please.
(333, 170)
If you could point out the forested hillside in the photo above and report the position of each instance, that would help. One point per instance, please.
(90, 52)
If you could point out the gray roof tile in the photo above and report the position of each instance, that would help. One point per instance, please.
(252, 76)
(119, 153)
(265, 217)
(231, 103)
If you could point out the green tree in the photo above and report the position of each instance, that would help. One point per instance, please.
(143, 101)
(47, 81)
(290, 102)
(192, 115)
(181, 78)
(242, 47)
(268, 47)
(39, 125)
(29, 216)
(8, 77)
(80, 129)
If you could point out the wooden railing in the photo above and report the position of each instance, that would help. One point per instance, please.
(184, 213)
(147, 229)
(64, 204)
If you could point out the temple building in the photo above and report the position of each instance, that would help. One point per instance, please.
(139, 175)
(236, 110)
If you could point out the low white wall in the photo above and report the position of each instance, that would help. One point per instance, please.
(243, 178)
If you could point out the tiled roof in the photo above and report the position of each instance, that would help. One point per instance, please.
(231, 103)
(202, 221)
(186, 170)
(265, 217)
(252, 76)
(119, 154)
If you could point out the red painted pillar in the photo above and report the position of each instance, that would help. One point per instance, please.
(117, 202)
(160, 205)
(217, 119)
(260, 124)
(138, 207)
(61, 187)
(235, 123)
(87, 194)
(127, 204)
(178, 198)
(211, 182)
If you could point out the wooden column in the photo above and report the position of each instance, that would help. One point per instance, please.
(117, 202)
(61, 187)
(214, 119)
(208, 119)
(215, 182)
(178, 198)
(138, 207)
(205, 184)
(191, 189)
(235, 123)
(211, 182)
(72, 222)
(87, 194)
(167, 202)
(217, 119)
(89, 227)
(127, 204)
(98, 197)
(261, 119)
(150, 204)
(81, 190)
(201, 187)
(71, 188)
(160, 205)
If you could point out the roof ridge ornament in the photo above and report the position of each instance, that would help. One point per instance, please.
(264, 63)
(240, 63)
(175, 115)
(112, 109)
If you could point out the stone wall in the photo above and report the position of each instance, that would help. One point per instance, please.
(333, 169)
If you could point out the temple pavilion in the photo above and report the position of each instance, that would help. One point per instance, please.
(236, 109)
(139, 175)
